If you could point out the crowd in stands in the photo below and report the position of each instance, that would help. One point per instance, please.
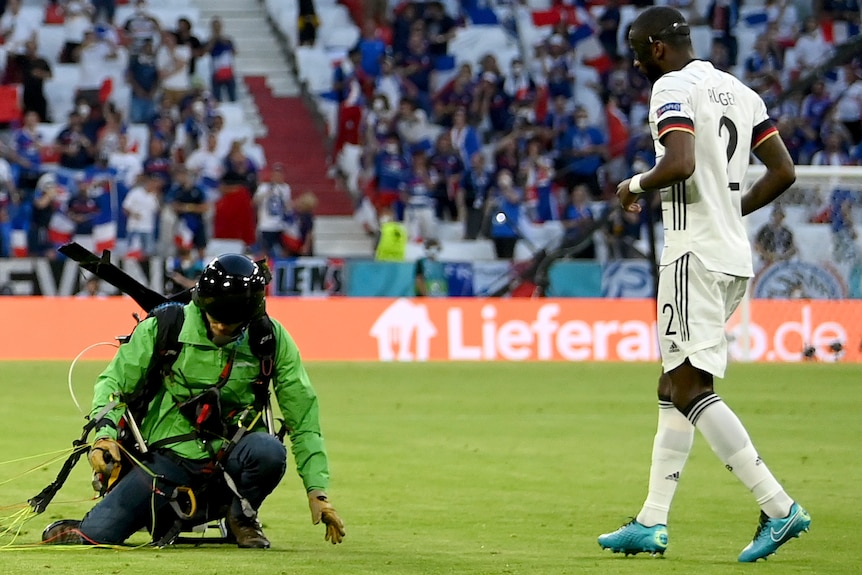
(144, 152)
(546, 135)
(542, 135)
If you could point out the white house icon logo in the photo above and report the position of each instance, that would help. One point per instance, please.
(401, 327)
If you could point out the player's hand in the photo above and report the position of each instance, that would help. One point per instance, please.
(104, 456)
(322, 510)
(628, 200)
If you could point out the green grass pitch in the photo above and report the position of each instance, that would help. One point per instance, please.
(487, 469)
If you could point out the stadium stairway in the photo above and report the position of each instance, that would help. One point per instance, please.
(271, 97)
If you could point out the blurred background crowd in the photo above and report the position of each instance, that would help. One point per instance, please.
(458, 119)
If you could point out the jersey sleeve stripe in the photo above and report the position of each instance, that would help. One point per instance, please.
(677, 123)
(761, 132)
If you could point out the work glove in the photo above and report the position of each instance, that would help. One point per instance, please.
(105, 461)
(322, 510)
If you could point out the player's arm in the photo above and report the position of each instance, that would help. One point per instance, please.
(780, 173)
(677, 165)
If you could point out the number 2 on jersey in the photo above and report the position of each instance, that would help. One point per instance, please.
(732, 142)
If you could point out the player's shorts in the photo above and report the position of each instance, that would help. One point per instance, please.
(694, 305)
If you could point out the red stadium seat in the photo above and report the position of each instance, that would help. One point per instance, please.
(10, 104)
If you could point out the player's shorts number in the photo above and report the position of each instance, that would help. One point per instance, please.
(667, 309)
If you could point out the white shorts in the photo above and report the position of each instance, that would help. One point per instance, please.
(694, 305)
(421, 222)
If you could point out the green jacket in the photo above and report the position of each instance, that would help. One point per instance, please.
(198, 367)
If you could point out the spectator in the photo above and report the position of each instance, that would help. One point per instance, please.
(391, 169)
(194, 128)
(157, 163)
(537, 174)
(143, 78)
(371, 49)
(447, 166)
(34, 71)
(190, 205)
(578, 223)
(298, 239)
(82, 208)
(182, 270)
(92, 288)
(762, 67)
(392, 240)
(464, 138)
(774, 241)
(27, 153)
(557, 123)
(10, 203)
(125, 162)
(103, 11)
(223, 53)
(849, 101)
(93, 55)
(108, 135)
(473, 195)
(429, 274)
(722, 16)
(184, 37)
(558, 68)
(77, 19)
(517, 84)
(273, 203)
(48, 199)
(77, 151)
(582, 153)
(456, 94)
(439, 28)
(17, 27)
(412, 123)
(140, 26)
(390, 84)
(832, 154)
(816, 105)
(207, 166)
(418, 198)
(416, 64)
(505, 211)
(609, 25)
(172, 61)
(785, 17)
(811, 48)
(141, 206)
(378, 122)
(239, 169)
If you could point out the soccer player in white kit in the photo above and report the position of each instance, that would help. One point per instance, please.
(705, 123)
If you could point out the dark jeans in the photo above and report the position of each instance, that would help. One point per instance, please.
(256, 464)
(227, 85)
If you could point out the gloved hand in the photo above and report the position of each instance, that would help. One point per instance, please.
(322, 510)
(105, 460)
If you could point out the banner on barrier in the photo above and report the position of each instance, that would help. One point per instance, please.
(468, 329)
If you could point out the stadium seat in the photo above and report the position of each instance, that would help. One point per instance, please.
(10, 103)
(314, 68)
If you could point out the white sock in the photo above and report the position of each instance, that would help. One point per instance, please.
(727, 437)
(670, 449)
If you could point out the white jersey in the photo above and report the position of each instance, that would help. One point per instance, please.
(702, 215)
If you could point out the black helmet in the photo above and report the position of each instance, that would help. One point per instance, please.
(231, 289)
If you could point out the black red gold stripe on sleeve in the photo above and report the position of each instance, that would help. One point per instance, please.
(762, 131)
(676, 123)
